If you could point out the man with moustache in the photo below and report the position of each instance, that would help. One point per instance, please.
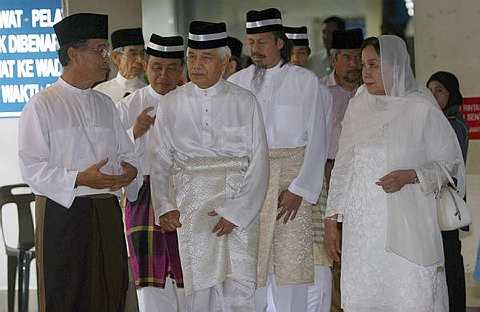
(154, 258)
(342, 84)
(76, 156)
(128, 56)
(295, 106)
(209, 176)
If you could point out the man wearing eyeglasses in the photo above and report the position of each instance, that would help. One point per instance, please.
(128, 56)
(76, 156)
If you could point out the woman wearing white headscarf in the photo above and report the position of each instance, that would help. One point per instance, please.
(393, 145)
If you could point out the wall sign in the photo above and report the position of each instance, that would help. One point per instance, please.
(471, 113)
(28, 51)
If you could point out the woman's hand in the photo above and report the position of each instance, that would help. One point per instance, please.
(332, 240)
(396, 180)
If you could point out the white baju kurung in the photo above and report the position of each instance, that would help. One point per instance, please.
(69, 130)
(392, 256)
(152, 299)
(295, 106)
(374, 279)
(212, 143)
(120, 87)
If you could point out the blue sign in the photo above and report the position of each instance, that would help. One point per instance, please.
(28, 51)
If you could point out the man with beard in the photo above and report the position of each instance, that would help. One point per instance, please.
(154, 258)
(295, 106)
(298, 36)
(343, 82)
(209, 176)
(128, 55)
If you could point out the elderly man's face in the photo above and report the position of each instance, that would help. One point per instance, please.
(130, 61)
(163, 73)
(205, 66)
(299, 56)
(264, 49)
(348, 64)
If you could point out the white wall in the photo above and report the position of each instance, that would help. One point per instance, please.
(446, 38)
(158, 18)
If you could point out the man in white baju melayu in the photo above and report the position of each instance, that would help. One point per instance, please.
(295, 106)
(209, 176)
(154, 258)
(128, 56)
(75, 155)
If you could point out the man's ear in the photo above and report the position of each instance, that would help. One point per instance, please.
(72, 54)
(116, 58)
(145, 64)
(333, 59)
(280, 43)
(231, 66)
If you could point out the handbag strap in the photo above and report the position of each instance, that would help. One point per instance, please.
(449, 177)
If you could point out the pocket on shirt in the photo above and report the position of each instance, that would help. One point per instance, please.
(235, 138)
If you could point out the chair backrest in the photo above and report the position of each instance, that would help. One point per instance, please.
(26, 236)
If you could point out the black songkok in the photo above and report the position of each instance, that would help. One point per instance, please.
(297, 35)
(348, 39)
(205, 35)
(264, 21)
(127, 37)
(81, 26)
(166, 47)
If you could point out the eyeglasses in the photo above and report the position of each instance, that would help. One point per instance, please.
(102, 51)
(134, 54)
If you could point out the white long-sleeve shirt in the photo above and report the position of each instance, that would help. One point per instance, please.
(119, 87)
(129, 108)
(223, 120)
(295, 106)
(64, 130)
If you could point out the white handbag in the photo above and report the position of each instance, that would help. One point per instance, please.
(452, 210)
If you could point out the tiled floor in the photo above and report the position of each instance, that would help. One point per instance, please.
(33, 301)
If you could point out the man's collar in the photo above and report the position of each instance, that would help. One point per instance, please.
(211, 91)
(126, 82)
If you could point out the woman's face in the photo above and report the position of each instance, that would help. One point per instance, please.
(440, 93)
(372, 71)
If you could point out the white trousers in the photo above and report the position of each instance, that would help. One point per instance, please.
(156, 299)
(274, 298)
(230, 296)
(320, 294)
